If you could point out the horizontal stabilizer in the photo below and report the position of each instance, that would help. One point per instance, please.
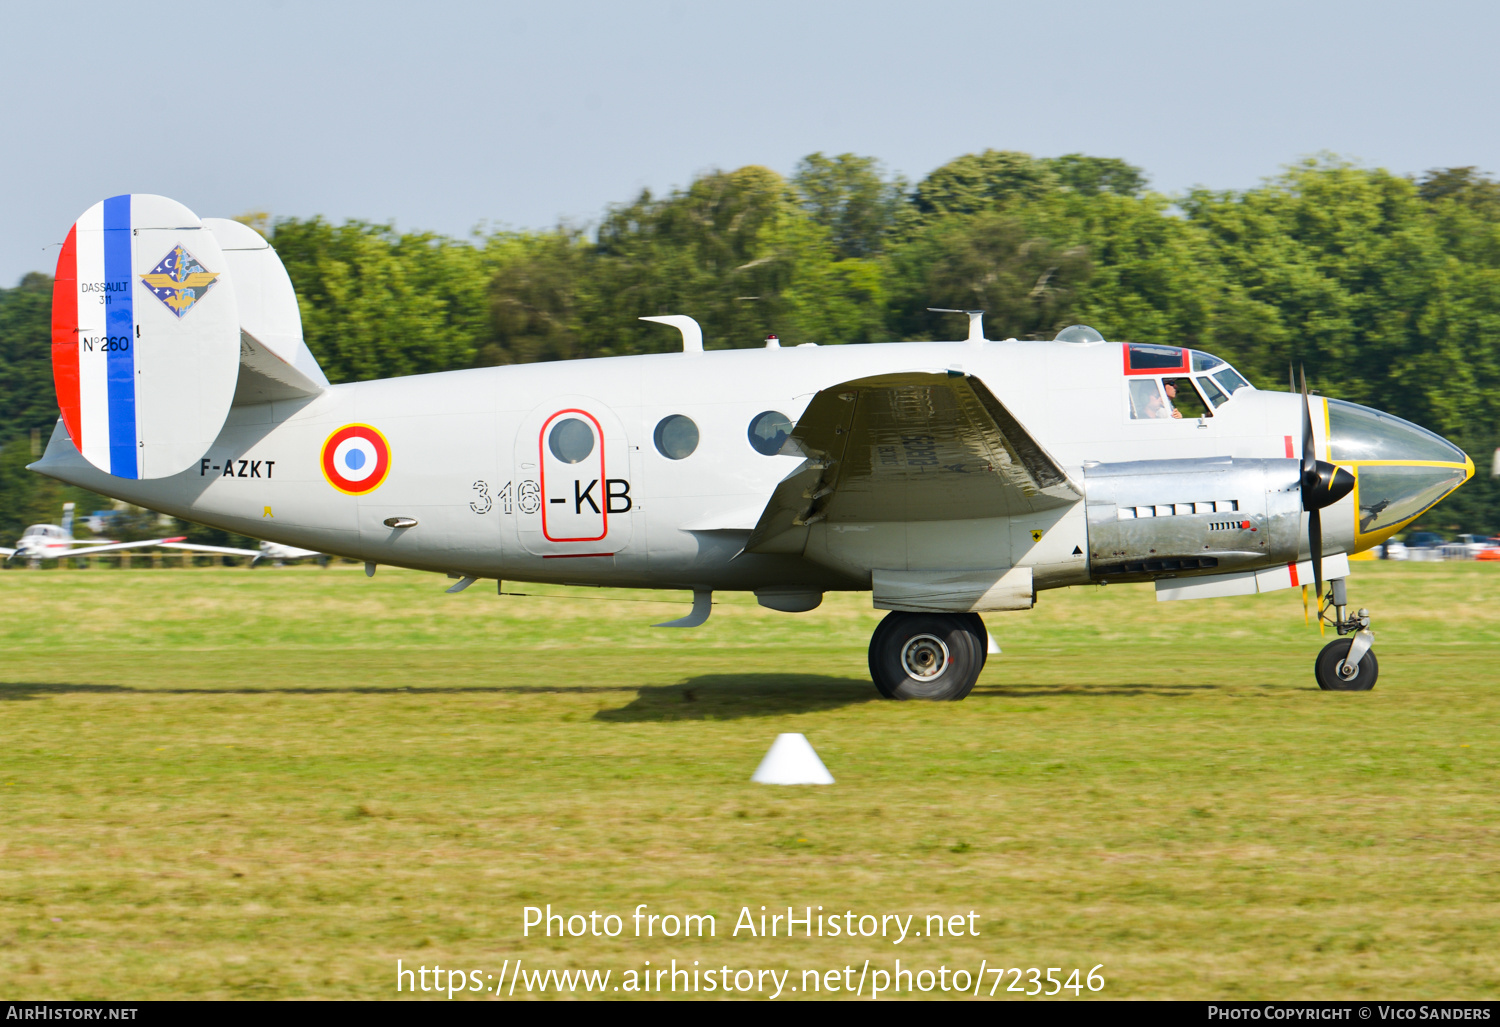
(265, 376)
(275, 362)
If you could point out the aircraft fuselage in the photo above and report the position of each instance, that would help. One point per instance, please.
(469, 463)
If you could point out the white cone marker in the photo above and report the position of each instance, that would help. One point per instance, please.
(791, 761)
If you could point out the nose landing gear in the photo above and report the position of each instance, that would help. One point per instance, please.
(1346, 664)
(927, 655)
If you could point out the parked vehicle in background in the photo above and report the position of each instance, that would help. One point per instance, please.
(1474, 545)
(1424, 545)
(1429, 545)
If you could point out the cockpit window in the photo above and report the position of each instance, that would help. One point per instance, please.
(1146, 401)
(1146, 359)
(1231, 380)
(1184, 399)
(1213, 382)
(1360, 433)
(1213, 392)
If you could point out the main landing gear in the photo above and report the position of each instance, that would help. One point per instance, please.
(927, 655)
(1346, 664)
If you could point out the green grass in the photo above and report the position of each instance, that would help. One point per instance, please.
(226, 783)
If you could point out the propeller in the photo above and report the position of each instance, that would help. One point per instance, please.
(1323, 484)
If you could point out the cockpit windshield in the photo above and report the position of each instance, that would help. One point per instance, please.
(1215, 379)
(1357, 433)
(1231, 380)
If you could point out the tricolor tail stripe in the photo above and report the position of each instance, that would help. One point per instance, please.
(65, 336)
(120, 324)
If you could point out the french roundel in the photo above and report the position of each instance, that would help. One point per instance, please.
(356, 459)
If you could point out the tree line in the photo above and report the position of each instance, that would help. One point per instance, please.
(1386, 288)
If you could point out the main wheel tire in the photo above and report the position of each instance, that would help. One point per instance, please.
(984, 638)
(1332, 658)
(932, 656)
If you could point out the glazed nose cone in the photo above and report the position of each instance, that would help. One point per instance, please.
(1402, 469)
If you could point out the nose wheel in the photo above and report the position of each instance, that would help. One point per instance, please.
(1346, 664)
(934, 656)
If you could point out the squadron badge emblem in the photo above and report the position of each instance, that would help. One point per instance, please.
(179, 280)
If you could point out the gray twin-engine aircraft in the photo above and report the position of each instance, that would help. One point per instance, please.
(949, 479)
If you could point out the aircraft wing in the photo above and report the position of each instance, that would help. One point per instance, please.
(91, 550)
(913, 446)
(280, 552)
(195, 547)
(7, 552)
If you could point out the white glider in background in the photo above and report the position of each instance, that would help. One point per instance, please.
(948, 479)
(56, 542)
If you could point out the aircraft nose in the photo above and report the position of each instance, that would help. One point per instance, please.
(1402, 469)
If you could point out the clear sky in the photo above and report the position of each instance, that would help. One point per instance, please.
(442, 115)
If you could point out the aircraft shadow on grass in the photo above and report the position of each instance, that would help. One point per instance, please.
(21, 690)
(706, 697)
(732, 696)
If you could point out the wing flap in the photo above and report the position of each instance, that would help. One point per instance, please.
(913, 446)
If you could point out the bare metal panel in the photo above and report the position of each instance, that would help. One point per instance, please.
(1152, 519)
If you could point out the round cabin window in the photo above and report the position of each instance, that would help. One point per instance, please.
(571, 440)
(769, 432)
(676, 437)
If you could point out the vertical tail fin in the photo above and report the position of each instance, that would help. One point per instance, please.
(145, 336)
(67, 524)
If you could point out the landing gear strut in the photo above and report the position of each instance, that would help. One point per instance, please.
(1346, 664)
(927, 655)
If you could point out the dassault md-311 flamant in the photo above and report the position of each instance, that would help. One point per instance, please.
(949, 479)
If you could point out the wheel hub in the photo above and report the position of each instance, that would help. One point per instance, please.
(925, 657)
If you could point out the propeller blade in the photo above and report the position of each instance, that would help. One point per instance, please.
(1309, 450)
(1315, 545)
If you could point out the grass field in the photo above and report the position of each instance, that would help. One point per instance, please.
(275, 783)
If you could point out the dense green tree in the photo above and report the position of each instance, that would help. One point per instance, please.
(978, 182)
(376, 303)
(1466, 185)
(27, 399)
(1091, 176)
(849, 196)
(1026, 283)
(535, 297)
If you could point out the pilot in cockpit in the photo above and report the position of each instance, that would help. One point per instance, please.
(1159, 408)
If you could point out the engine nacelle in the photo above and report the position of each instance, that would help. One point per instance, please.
(1151, 519)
